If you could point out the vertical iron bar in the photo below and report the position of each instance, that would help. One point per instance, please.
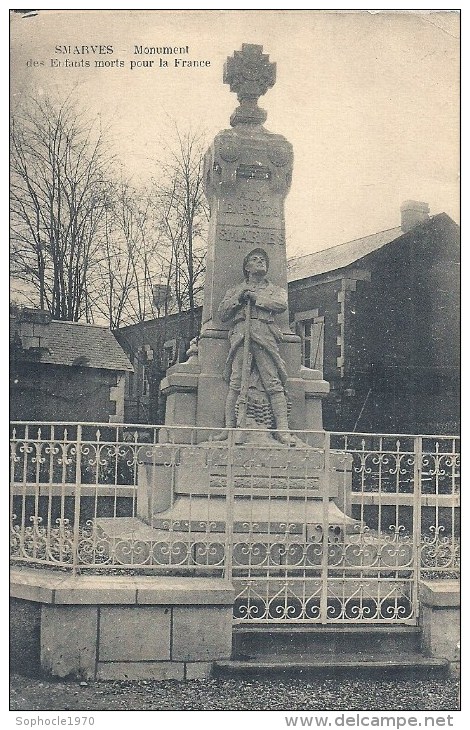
(39, 449)
(308, 487)
(78, 487)
(13, 445)
(453, 492)
(135, 448)
(50, 480)
(229, 511)
(23, 484)
(418, 463)
(115, 448)
(325, 531)
(269, 542)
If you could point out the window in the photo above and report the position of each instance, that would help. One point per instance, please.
(129, 384)
(311, 329)
(145, 380)
(170, 353)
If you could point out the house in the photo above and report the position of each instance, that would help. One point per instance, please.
(64, 371)
(152, 347)
(379, 316)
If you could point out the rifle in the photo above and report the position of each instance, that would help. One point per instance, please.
(246, 367)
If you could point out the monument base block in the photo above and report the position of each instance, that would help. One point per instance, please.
(268, 471)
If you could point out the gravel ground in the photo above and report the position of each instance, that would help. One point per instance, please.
(217, 694)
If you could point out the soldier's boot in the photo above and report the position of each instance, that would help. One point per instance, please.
(279, 408)
(230, 415)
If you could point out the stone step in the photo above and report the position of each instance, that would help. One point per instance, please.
(259, 641)
(327, 666)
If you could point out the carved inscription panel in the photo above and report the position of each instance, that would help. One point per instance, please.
(245, 234)
(253, 208)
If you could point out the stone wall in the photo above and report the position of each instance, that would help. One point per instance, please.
(53, 393)
(124, 627)
(25, 640)
(121, 627)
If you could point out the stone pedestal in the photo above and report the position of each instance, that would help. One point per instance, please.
(257, 494)
(195, 398)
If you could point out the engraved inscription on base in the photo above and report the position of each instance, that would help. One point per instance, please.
(252, 236)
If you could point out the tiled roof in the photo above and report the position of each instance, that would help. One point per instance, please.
(75, 344)
(337, 257)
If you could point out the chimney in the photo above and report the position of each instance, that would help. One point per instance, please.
(161, 294)
(36, 316)
(413, 213)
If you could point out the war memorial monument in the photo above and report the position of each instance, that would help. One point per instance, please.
(244, 528)
(243, 387)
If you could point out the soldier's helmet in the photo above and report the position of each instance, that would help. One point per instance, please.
(255, 252)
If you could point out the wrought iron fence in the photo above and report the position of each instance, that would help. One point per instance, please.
(339, 528)
(409, 479)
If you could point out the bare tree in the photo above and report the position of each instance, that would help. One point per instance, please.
(129, 262)
(153, 247)
(85, 246)
(59, 195)
(183, 217)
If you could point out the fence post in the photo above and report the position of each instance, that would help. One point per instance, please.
(325, 531)
(417, 488)
(229, 512)
(78, 487)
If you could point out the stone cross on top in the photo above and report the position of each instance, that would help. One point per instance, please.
(249, 74)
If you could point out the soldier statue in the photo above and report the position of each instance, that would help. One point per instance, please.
(254, 337)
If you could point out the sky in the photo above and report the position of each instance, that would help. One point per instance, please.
(369, 100)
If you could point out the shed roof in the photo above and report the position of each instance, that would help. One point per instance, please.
(74, 344)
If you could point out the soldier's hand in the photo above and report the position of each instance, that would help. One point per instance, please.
(247, 295)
